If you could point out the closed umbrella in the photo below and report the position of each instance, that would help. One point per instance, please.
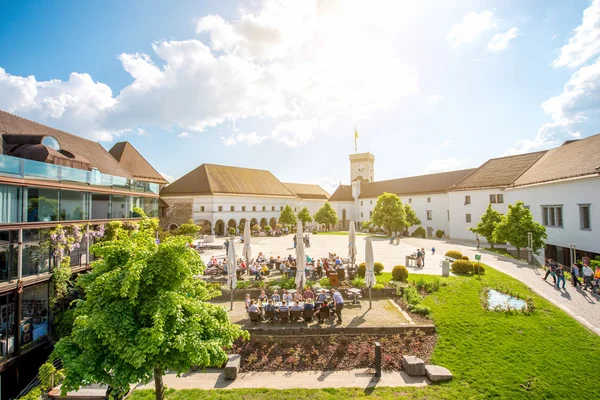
(231, 269)
(352, 243)
(247, 250)
(370, 267)
(300, 257)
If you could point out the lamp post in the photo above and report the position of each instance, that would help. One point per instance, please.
(529, 247)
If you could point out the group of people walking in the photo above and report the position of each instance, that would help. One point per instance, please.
(591, 278)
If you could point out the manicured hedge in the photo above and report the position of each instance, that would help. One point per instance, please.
(457, 255)
(439, 233)
(419, 232)
(362, 269)
(400, 273)
(462, 267)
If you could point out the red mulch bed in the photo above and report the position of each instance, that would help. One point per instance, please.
(339, 352)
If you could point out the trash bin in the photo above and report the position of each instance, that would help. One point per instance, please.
(342, 274)
(445, 268)
(333, 279)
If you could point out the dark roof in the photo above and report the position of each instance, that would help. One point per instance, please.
(307, 191)
(431, 183)
(135, 163)
(498, 172)
(91, 151)
(575, 158)
(342, 193)
(220, 179)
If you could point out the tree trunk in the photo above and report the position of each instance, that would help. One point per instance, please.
(518, 252)
(492, 245)
(158, 384)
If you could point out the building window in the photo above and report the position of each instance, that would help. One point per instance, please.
(371, 202)
(118, 202)
(201, 208)
(253, 208)
(243, 208)
(10, 204)
(468, 218)
(34, 306)
(361, 202)
(429, 217)
(295, 209)
(584, 217)
(231, 208)
(100, 206)
(264, 208)
(496, 198)
(552, 216)
(42, 205)
(467, 200)
(448, 214)
(273, 208)
(220, 208)
(429, 199)
(36, 256)
(281, 208)
(361, 215)
(370, 214)
(409, 201)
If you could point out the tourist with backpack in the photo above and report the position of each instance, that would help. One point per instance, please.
(551, 271)
(560, 277)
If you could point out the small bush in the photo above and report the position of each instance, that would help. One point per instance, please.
(462, 267)
(419, 232)
(358, 283)
(267, 228)
(231, 231)
(457, 255)
(378, 268)
(465, 258)
(420, 309)
(278, 226)
(439, 233)
(478, 268)
(362, 269)
(400, 273)
(314, 232)
(411, 296)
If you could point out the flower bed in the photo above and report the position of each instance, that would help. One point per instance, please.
(336, 352)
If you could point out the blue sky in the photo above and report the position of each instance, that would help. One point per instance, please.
(431, 86)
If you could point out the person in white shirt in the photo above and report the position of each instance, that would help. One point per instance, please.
(587, 277)
(253, 308)
(338, 304)
(296, 306)
(288, 297)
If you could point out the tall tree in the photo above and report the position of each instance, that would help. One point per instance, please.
(143, 313)
(189, 229)
(389, 213)
(486, 226)
(304, 216)
(411, 216)
(287, 216)
(326, 215)
(514, 227)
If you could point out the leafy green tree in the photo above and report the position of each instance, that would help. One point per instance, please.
(514, 227)
(188, 229)
(326, 215)
(486, 226)
(287, 216)
(411, 216)
(366, 224)
(143, 313)
(389, 213)
(304, 216)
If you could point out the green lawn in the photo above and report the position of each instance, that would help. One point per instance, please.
(492, 355)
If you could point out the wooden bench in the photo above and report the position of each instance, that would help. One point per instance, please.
(232, 369)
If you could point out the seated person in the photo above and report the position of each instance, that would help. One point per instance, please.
(322, 297)
(308, 304)
(283, 308)
(298, 296)
(290, 258)
(263, 297)
(264, 269)
(296, 306)
(326, 310)
(253, 308)
(271, 260)
(247, 301)
(260, 257)
(287, 297)
(270, 307)
(338, 261)
(308, 294)
(275, 297)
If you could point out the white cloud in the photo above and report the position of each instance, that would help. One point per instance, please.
(434, 99)
(184, 135)
(446, 143)
(585, 42)
(141, 132)
(250, 139)
(169, 178)
(555, 36)
(449, 164)
(580, 97)
(500, 40)
(228, 141)
(471, 27)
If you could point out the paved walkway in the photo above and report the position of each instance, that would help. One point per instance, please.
(214, 379)
(582, 305)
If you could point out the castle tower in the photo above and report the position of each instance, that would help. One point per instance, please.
(362, 165)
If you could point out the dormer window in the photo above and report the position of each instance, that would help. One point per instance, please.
(52, 142)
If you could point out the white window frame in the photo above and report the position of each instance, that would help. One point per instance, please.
(589, 217)
(429, 214)
(468, 218)
(467, 200)
(553, 216)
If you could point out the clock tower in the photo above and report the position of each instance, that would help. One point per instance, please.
(362, 167)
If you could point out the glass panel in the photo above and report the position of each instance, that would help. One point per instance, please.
(42, 170)
(100, 206)
(95, 177)
(138, 186)
(9, 204)
(8, 255)
(7, 328)
(75, 175)
(153, 188)
(36, 259)
(119, 206)
(136, 202)
(42, 204)
(150, 207)
(73, 205)
(106, 180)
(10, 165)
(34, 304)
(120, 182)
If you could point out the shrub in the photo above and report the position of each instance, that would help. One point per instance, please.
(465, 258)
(378, 267)
(361, 270)
(256, 227)
(478, 268)
(400, 273)
(267, 228)
(462, 267)
(358, 283)
(324, 283)
(420, 309)
(457, 255)
(411, 296)
(439, 233)
(419, 232)
(278, 226)
(232, 231)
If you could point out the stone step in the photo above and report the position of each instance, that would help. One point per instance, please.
(413, 366)
(435, 373)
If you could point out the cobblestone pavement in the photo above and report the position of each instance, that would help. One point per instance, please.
(578, 303)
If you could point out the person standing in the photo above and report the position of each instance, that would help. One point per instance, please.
(575, 275)
(551, 270)
(587, 277)
(338, 304)
(560, 277)
(419, 257)
(433, 251)
(423, 256)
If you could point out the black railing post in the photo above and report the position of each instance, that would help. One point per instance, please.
(377, 359)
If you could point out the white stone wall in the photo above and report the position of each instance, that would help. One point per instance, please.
(569, 195)
(480, 199)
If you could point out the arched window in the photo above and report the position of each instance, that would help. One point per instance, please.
(51, 142)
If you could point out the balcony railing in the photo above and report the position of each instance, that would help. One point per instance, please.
(22, 168)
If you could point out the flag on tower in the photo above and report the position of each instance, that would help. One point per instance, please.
(355, 137)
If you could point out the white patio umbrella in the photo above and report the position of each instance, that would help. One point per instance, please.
(352, 243)
(300, 257)
(370, 267)
(231, 269)
(247, 250)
